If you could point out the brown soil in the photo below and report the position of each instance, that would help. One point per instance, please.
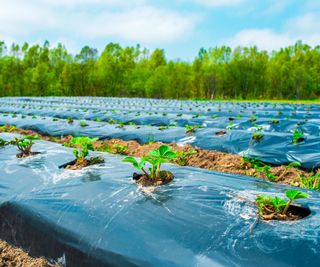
(295, 212)
(165, 178)
(25, 155)
(207, 159)
(16, 257)
(79, 164)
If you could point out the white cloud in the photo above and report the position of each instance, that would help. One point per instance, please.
(265, 39)
(304, 28)
(140, 23)
(145, 24)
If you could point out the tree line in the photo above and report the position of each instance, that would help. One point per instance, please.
(215, 73)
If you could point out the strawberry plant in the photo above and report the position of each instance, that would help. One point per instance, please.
(24, 145)
(83, 144)
(119, 149)
(257, 136)
(182, 157)
(155, 158)
(297, 136)
(3, 142)
(311, 182)
(278, 208)
(192, 128)
(83, 124)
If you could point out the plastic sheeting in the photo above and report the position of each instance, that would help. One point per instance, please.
(98, 217)
(275, 148)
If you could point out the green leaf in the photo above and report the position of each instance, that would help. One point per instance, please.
(294, 164)
(170, 155)
(278, 203)
(163, 149)
(295, 194)
(130, 160)
(154, 153)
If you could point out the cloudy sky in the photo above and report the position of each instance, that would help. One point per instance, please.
(181, 27)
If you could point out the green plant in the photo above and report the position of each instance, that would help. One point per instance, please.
(139, 165)
(162, 128)
(230, 126)
(257, 136)
(311, 182)
(182, 157)
(119, 149)
(83, 124)
(111, 121)
(192, 128)
(3, 142)
(274, 121)
(253, 118)
(259, 167)
(293, 195)
(297, 136)
(98, 120)
(293, 164)
(155, 158)
(24, 144)
(278, 204)
(8, 128)
(70, 120)
(83, 144)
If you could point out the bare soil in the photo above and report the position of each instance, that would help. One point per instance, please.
(295, 212)
(16, 257)
(79, 164)
(164, 178)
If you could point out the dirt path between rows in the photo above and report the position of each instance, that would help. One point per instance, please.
(11, 256)
(206, 159)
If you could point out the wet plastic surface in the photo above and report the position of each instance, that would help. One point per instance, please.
(98, 217)
(275, 121)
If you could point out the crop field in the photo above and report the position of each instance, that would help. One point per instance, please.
(94, 181)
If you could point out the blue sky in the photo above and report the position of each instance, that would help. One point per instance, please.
(181, 27)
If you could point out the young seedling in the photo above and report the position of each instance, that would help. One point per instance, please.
(293, 195)
(311, 182)
(139, 165)
(119, 149)
(277, 208)
(192, 128)
(83, 124)
(24, 145)
(297, 136)
(3, 142)
(294, 164)
(162, 128)
(155, 158)
(257, 136)
(182, 157)
(83, 146)
(253, 118)
(70, 120)
(230, 126)
(275, 121)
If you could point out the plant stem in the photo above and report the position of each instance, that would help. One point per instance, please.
(145, 173)
(284, 212)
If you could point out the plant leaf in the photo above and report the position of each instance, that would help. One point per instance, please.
(295, 194)
(163, 149)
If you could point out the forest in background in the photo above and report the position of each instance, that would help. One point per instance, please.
(215, 73)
